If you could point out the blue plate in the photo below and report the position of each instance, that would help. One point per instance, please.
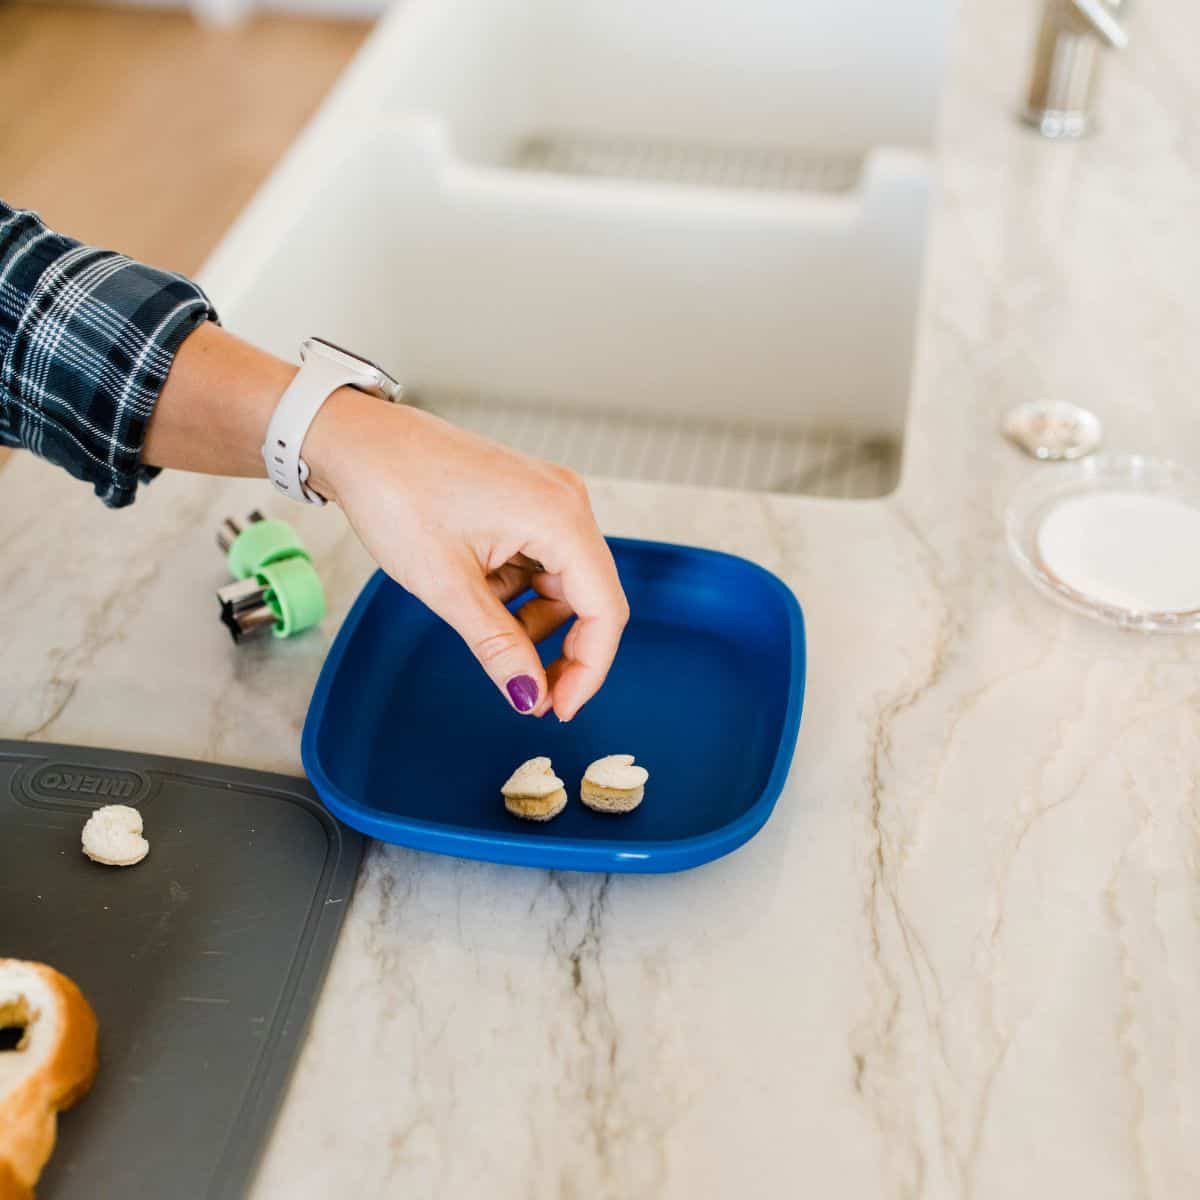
(408, 741)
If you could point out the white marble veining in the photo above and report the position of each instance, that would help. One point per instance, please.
(963, 958)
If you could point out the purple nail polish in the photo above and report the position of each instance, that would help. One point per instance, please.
(523, 692)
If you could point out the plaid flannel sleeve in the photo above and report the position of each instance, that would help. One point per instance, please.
(86, 340)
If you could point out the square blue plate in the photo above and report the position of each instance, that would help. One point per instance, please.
(408, 741)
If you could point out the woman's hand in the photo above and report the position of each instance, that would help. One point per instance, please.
(466, 524)
(463, 523)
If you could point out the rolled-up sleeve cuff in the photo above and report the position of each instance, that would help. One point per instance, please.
(87, 357)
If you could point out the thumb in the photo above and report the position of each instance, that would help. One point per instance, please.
(497, 639)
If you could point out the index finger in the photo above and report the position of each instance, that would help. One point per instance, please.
(591, 586)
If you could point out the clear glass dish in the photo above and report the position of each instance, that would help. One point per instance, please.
(1113, 598)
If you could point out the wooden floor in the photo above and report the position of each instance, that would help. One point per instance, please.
(146, 133)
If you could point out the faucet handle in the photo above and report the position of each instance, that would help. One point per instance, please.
(1066, 64)
(1103, 20)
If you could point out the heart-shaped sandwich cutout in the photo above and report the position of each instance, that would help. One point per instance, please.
(533, 778)
(113, 836)
(617, 771)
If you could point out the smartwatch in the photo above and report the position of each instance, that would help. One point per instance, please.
(324, 368)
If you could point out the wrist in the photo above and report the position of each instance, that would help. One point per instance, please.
(344, 422)
(213, 411)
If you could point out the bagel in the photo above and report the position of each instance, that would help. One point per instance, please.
(51, 1066)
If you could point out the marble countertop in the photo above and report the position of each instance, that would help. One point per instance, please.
(963, 958)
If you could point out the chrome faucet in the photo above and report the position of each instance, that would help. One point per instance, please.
(1066, 64)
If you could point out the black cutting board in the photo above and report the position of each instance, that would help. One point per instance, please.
(203, 962)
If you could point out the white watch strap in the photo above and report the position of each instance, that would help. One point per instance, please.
(315, 382)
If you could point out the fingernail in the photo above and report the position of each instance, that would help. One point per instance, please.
(523, 692)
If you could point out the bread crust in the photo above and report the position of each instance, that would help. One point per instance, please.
(611, 800)
(537, 808)
(29, 1109)
(11, 1188)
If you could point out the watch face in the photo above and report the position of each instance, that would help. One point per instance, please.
(390, 385)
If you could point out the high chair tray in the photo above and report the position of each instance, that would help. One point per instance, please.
(409, 742)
